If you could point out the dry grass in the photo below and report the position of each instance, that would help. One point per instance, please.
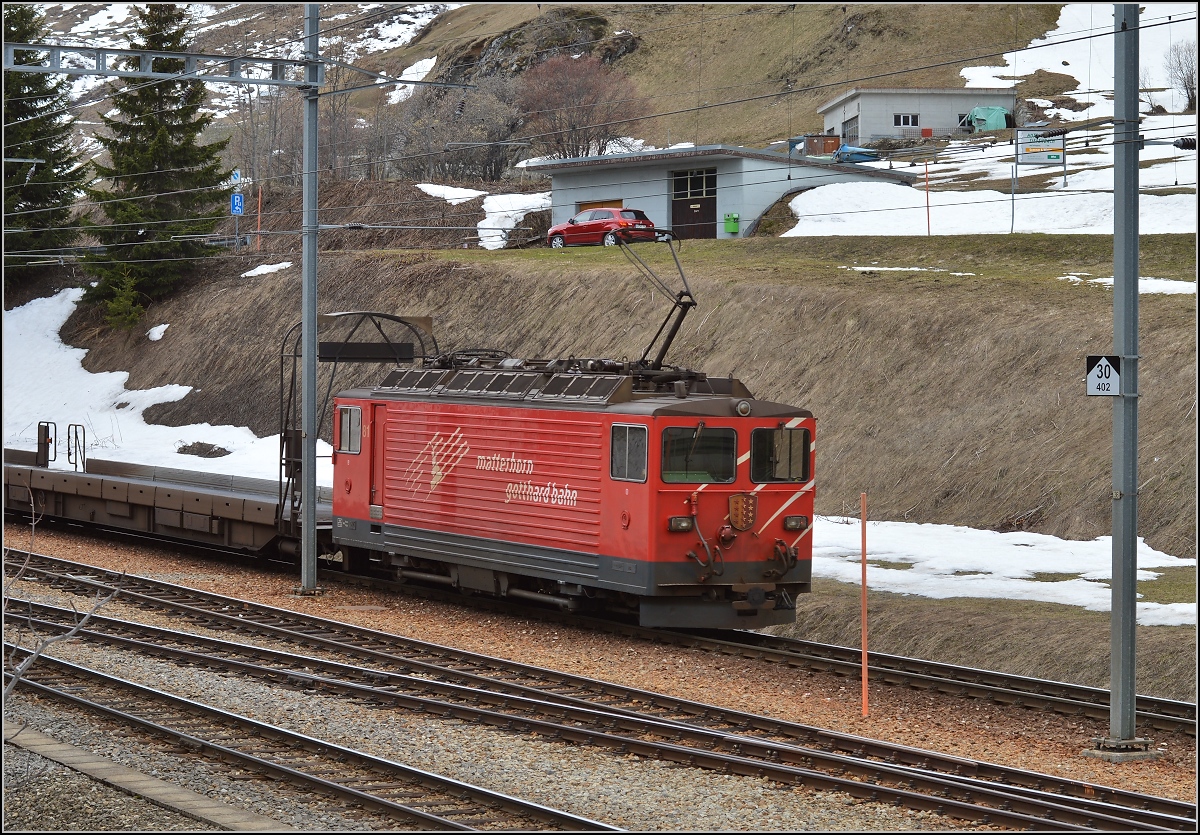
(954, 399)
(947, 398)
(692, 55)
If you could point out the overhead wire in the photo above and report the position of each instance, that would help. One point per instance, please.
(382, 13)
(568, 202)
(534, 136)
(139, 197)
(959, 59)
(451, 215)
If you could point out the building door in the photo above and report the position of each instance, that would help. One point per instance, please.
(850, 131)
(694, 203)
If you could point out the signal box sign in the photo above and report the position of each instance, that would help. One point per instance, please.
(1104, 375)
(1033, 149)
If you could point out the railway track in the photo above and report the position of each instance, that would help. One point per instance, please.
(1060, 697)
(968, 682)
(489, 690)
(748, 737)
(416, 798)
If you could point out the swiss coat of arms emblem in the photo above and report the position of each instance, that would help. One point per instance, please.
(743, 508)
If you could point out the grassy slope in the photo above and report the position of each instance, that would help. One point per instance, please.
(696, 54)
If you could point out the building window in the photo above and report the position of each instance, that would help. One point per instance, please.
(699, 182)
(906, 120)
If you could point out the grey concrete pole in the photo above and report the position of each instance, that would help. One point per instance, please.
(308, 395)
(1125, 346)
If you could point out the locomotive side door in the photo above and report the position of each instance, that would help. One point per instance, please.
(378, 422)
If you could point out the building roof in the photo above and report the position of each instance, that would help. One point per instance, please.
(919, 91)
(707, 152)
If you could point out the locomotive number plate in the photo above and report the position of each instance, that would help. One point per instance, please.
(743, 508)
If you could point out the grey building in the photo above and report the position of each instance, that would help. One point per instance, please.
(710, 191)
(865, 114)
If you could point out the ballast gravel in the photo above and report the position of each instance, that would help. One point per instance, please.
(32, 783)
(623, 791)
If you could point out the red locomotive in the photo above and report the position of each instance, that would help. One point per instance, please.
(686, 502)
(591, 484)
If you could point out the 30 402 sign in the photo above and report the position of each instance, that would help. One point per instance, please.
(1104, 375)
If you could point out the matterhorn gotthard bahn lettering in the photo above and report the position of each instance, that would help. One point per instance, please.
(443, 453)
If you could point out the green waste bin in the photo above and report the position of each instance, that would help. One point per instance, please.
(731, 223)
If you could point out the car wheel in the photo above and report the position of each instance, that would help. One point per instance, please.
(557, 242)
(610, 239)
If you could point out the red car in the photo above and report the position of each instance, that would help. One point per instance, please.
(602, 226)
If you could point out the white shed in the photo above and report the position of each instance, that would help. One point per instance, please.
(865, 114)
(710, 191)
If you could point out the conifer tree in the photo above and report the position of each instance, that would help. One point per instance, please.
(161, 182)
(37, 195)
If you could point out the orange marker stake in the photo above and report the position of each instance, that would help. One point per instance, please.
(864, 603)
(928, 225)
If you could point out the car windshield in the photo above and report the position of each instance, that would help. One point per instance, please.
(633, 214)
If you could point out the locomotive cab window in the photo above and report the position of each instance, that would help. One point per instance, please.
(349, 429)
(779, 455)
(627, 461)
(699, 454)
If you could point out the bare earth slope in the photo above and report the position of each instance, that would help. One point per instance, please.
(955, 399)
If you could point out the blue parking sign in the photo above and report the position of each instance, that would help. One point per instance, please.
(236, 204)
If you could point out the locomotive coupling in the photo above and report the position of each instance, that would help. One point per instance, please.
(756, 595)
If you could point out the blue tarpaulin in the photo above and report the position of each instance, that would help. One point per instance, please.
(848, 153)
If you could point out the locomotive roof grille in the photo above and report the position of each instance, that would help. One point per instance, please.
(580, 387)
(506, 385)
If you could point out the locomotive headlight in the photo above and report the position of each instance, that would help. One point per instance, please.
(795, 523)
(679, 523)
(743, 408)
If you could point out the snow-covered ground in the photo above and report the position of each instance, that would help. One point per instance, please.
(450, 194)
(504, 211)
(1078, 200)
(501, 212)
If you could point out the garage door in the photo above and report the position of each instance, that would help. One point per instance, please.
(599, 204)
